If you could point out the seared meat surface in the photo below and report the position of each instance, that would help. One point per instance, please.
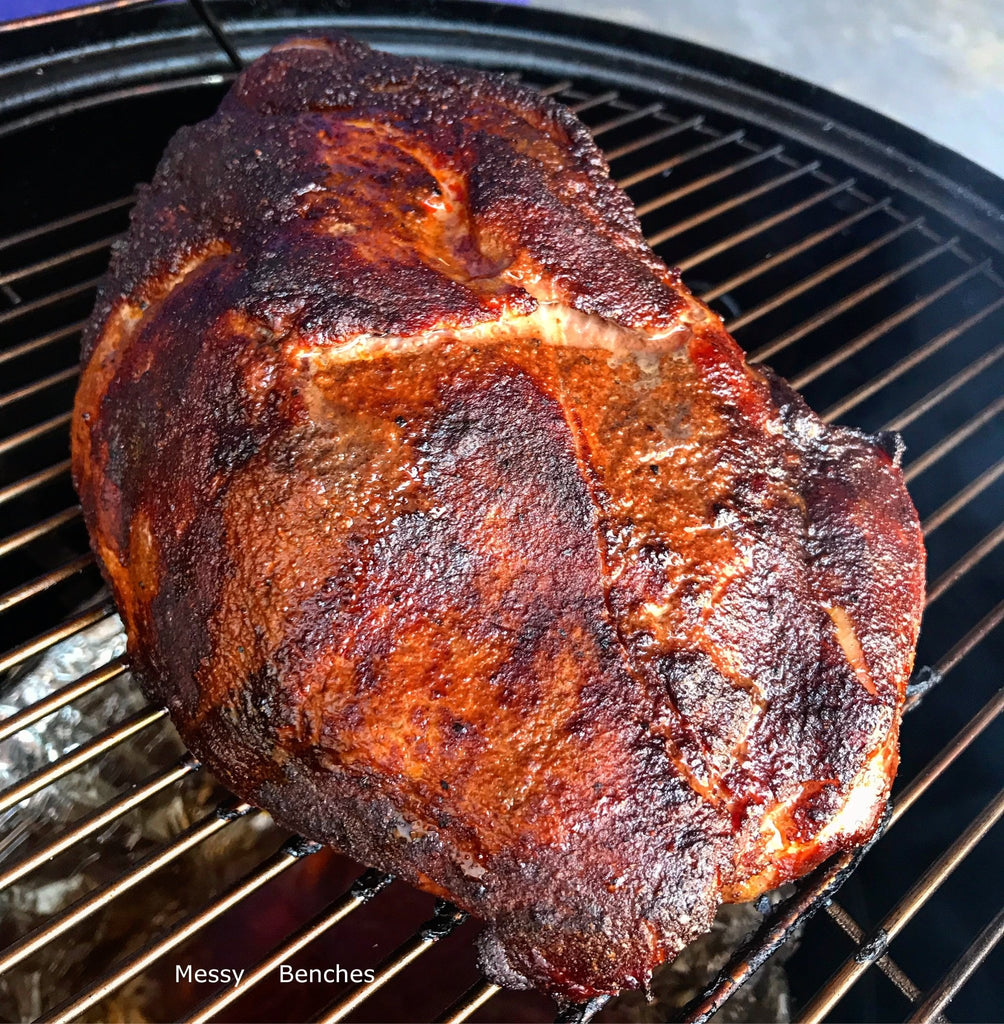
(456, 533)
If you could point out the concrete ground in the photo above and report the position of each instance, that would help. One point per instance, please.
(935, 65)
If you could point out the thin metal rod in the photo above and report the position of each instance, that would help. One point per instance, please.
(653, 137)
(60, 698)
(963, 498)
(100, 819)
(708, 179)
(956, 746)
(921, 406)
(679, 227)
(965, 564)
(43, 583)
(360, 893)
(976, 635)
(953, 440)
(897, 919)
(862, 341)
(849, 302)
(34, 432)
(53, 636)
(915, 358)
(70, 1010)
(960, 972)
(809, 896)
(78, 757)
(594, 101)
(216, 31)
(885, 963)
(54, 261)
(7, 355)
(556, 87)
(471, 1001)
(49, 300)
(793, 250)
(83, 908)
(29, 483)
(765, 224)
(680, 158)
(39, 529)
(38, 385)
(824, 273)
(65, 222)
(963, 377)
(445, 922)
(625, 119)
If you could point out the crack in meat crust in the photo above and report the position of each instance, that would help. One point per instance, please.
(454, 531)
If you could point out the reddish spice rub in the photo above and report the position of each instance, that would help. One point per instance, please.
(456, 533)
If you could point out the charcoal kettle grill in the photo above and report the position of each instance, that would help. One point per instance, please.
(858, 259)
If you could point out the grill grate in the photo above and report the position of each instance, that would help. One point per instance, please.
(876, 308)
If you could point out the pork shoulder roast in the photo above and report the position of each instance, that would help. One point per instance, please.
(456, 533)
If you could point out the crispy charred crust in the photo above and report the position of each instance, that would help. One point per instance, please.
(457, 534)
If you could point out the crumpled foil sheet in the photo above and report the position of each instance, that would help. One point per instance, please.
(59, 971)
(55, 973)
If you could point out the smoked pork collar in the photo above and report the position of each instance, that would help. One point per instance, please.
(456, 533)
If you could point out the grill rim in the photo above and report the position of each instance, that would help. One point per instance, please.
(578, 1014)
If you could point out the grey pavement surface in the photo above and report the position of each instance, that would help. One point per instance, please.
(935, 65)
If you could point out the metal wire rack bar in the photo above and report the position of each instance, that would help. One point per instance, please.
(680, 158)
(469, 1003)
(15, 352)
(58, 260)
(897, 919)
(796, 249)
(360, 893)
(38, 385)
(39, 529)
(100, 819)
(102, 743)
(445, 921)
(65, 222)
(955, 747)
(52, 299)
(862, 341)
(976, 635)
(884, 963)
(36, 645)
(765, 224)
(60, 698)
(942, 993)
(623, 120)
(907, 363)
(581, 106)
(292, 852)
(963, 498)
(968, 561)
(847, 303)
(28, 483)
(824, 273)
(43, 583)
(705, 180)
(91, 903)
(688, 223)
(618, 152)
(34, 432)
(950, 442)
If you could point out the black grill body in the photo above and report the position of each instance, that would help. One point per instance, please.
(858, 259)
